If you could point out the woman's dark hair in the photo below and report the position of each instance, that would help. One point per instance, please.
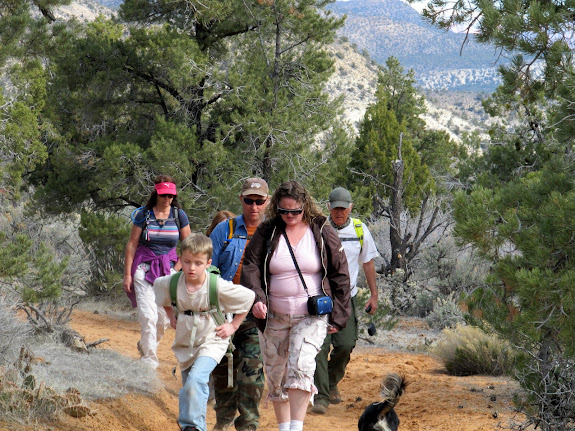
(219, 217)
(297, 192)
(153, 199)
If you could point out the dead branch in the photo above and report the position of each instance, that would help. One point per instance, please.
(95, 343)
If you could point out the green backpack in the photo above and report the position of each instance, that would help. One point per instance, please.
(213, 273)
(218, 316)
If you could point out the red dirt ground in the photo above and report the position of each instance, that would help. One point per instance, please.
(433, 400)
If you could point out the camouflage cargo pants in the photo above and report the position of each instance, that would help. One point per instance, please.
(244, 397)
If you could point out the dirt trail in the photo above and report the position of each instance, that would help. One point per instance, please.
(433, 400)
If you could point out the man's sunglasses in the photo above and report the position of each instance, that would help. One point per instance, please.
(286, 211)
(258, 202)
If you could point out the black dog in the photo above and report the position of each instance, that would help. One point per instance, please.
(381, 416)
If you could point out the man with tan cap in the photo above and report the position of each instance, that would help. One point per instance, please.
(230, 239)
(359, 249)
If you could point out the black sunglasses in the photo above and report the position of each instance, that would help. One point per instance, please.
(167, 196)
(258, 202)
(294, 212)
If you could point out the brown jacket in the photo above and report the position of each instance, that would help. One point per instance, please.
(335, 274)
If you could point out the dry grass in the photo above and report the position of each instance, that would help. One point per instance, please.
(41, 378)
(467, 350)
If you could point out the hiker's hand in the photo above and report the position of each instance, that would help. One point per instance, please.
(260, 310)
(226, 330)
(127, 284)
(371, 305)
(331, 329)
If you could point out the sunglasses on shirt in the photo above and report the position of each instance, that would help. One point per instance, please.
(258, 202)
(286, 211)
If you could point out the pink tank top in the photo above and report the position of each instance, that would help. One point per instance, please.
(286, 294)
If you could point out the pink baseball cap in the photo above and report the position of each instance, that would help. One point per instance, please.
(166, 188)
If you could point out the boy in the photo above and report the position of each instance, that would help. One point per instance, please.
(200, 343)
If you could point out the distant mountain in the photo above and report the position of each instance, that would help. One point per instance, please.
(393, 28)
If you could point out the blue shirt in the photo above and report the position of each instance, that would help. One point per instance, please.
(228, 258)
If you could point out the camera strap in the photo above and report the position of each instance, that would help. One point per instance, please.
(295, 262)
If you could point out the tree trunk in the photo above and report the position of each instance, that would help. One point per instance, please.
(397, 246)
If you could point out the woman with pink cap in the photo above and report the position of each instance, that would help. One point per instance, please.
(151, 253)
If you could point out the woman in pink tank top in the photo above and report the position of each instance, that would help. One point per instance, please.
(290, 337)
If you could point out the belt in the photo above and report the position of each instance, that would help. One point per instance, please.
(188, 312)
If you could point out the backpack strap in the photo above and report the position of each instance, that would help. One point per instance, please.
(220, 319)
(213, 295)
(174, 288)
(231, 229)
(145, 236)
(176, 217)
(357, 225)
(175, 212)
(232, 225)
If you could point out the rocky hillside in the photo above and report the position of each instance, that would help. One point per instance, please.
(355, 79)
(441, 59)
(85, 10)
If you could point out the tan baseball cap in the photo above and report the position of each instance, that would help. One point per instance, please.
(255, 186)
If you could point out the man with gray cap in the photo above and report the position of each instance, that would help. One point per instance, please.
(230, 238)
(359, 248)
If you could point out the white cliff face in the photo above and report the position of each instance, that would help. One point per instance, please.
(355, 79)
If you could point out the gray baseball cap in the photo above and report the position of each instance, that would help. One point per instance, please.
(340, 198)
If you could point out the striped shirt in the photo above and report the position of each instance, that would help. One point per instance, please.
(161, 235)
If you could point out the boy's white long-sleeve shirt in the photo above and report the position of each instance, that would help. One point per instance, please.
(233, 298)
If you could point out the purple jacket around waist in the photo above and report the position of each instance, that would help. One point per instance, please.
(160, 265)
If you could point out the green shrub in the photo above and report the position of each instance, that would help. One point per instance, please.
(423, 305)
(467, 350)
(445, 314)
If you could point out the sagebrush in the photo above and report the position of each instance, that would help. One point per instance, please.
(468, 350)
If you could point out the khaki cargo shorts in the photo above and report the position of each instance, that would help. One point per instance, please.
(289, 346)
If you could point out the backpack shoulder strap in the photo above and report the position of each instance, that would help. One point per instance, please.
(232, 223)
(213, 295)
(174, 288)
(358, 226)
(213, 290)
(144, 236)
(219, 318)
(176, 217)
